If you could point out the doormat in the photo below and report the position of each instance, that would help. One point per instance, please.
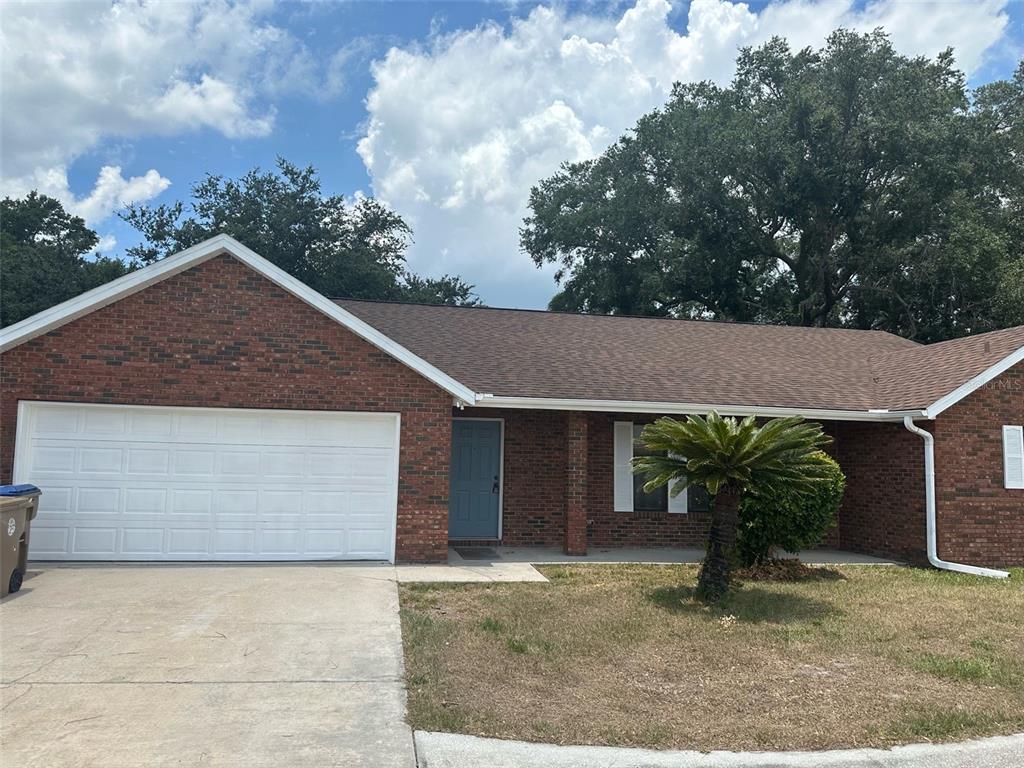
(477, 553)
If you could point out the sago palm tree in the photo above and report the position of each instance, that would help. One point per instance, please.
(729, 457)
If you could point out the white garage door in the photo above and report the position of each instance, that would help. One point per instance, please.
(152, 483)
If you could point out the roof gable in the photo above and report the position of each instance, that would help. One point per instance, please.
(534, 359)
(106, 294)
(936, 376)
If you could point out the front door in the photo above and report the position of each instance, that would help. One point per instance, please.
(475, 492)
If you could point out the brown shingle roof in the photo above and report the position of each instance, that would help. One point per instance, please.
(524, 353)
(918, 376)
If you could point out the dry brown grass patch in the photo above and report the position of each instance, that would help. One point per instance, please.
(870, 656)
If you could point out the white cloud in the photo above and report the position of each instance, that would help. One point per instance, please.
(106, 244)
(460, 128)
(78, 73)
(110, 192)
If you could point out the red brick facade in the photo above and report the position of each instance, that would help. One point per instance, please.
(576, 481)
(535, 489)
(883, 508)
(882, 514)
(980, 521)
(222, 335)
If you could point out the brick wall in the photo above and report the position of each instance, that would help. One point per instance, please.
(576, 481)
(882, 512)
(533, 494)
(980, 521)
(221, 335)
(609, 528)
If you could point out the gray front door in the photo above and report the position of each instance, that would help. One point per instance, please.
(475, 479)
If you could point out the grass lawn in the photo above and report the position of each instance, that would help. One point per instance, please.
(624, 655)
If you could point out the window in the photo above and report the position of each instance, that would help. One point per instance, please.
(629, 488)
(1013, 456)
(656, 500)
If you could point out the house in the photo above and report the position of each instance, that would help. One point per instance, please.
(212, 407)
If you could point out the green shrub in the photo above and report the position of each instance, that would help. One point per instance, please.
(783, 517)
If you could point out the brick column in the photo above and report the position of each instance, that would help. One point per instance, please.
(576, 484)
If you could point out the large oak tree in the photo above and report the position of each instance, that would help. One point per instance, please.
(45, 257)
(354, 249)
(844, 186)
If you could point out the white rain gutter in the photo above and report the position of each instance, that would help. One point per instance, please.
(929, 506)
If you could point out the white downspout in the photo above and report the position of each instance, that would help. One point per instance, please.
(929, 508)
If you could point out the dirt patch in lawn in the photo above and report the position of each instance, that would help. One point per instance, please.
(624, 655)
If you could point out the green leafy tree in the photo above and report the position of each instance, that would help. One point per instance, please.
(354, 250)
(44, 257)
(843, 186)
(729, 458)
(792, 519)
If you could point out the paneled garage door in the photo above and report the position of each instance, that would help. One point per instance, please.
(153, 483)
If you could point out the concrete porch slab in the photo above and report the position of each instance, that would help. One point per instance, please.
(517, 563)
(661, 555)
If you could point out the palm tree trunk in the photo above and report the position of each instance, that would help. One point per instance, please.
(713, 582)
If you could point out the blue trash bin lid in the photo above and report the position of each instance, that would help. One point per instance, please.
(18, 490)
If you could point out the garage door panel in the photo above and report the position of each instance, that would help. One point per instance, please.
(142, 541)
(98, 501)
(51, 540)
(94, 540)
(234, 543)
(145, 501)
(189, 542)
(194, 463)
(365, 540)
(143, 483)
(149, 425)
(56, 501)
(111, 422)
(149, 461)
(53, 459)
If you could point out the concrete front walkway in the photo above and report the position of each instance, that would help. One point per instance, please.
(447, 750)
(248, 666)
(516, 563)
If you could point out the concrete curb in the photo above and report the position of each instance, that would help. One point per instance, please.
(450, 750)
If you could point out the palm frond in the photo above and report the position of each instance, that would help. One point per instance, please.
(722, 451)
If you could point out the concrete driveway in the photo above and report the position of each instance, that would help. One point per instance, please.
(203, 665)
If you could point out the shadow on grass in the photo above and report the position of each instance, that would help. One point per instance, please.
(750, 604)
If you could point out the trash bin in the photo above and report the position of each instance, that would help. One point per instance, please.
(18, 505)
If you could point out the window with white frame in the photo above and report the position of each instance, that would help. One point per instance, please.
(1013, 456)
(630, 495)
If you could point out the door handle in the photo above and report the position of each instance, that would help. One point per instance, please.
(494, 488)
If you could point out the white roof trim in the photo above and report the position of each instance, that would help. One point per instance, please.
(974, 384)
(56, 316)
(638, 406)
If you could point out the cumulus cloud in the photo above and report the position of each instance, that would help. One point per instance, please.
(78, 73)
(460, 128)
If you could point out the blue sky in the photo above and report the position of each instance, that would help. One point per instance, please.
(447, 111)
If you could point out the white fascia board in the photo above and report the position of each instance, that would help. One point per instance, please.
(974, 384)
(106, 294)
(636, 406)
